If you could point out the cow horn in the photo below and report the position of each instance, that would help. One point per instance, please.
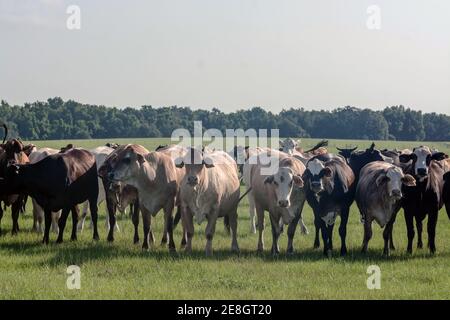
(6, 132)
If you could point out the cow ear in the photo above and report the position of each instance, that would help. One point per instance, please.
(179, 163)
(327, 172)
(298, 142)
(298, 181)
(208, 162)
(438, 156)
(140, 158)
(268, 179)
(381, 179)
(404, 158)
(408, 180)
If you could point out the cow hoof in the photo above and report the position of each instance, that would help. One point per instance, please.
(419, 245)
(96, 238)
(386, 253)
(409, 251)
(59, 241)
(110, 239)
(73, 238)
(316, 245)
(343, 252)
(432, 251)
(328, 253)
(135, 240)
(145, 247)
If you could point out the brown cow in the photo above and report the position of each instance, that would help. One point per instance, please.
(12, 153)
(378, 196)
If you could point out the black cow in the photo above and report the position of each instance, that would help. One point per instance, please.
(60, 181)
(346, 152)
(446, 193)
(426, 198)
(330, 191)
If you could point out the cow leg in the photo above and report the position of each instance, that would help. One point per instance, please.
(168, 224)
(146, 222)
(1, 216)
(94, 217)
(184, 229)
(189, 222)
(226, 225)
(409, 220)
(419, 233)
(260, 219)
(135, 219)
(251, 206)
(210, 230)
(15, 211)
(391, 239)
(431, 228)
(233, 226)
(75, 213)
(367, 234)
(80, 225)
(62, 224)
(111, 207)
(276, 231)
(37, 217)
(387, 233)
(291, 232)
(317, 225)
(55, 218)
(343, 229)
(48, 222)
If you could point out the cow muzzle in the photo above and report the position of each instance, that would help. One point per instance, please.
(192, 180)
(422, 172)
(316, 186)
(396, 194)
(283, 203)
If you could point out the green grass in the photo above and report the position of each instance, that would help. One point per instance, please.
(30, 270)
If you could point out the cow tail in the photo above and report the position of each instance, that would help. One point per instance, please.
(245, 193)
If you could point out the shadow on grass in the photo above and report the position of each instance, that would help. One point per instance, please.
(82, 252)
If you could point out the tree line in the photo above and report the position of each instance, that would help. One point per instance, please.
(58, 119)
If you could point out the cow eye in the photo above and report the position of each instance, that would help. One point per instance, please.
(275, 183)
(126, 160)
(290, 183)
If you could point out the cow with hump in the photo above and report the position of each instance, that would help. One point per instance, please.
(330, 189)
(378, 196)
(209, 190)
(155, 178)
(119, 195)
(426, 198)
(275, 181)
(58, 182)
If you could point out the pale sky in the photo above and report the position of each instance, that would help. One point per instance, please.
(229, 54)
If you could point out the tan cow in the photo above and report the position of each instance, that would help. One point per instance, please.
(278, 191)
(154, 176)
(209, 190)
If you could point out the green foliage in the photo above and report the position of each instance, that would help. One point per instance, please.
(58, 119)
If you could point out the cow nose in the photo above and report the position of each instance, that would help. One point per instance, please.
(316, 185)
(422, 172)
(192, 180)
(283, 203)
(397, 193)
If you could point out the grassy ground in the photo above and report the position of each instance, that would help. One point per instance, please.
(29, 269)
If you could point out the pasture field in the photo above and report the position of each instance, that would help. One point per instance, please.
(30, 270)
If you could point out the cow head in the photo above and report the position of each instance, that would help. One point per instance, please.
(359, 159)
(12, 154)
(195, 161)
(66, 148)
(421, 158)
(126, 165)
(346, 153)
(393, 179)
(289, 145)
(318, 176)
(283, 182)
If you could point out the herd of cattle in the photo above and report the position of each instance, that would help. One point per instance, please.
(201, 184)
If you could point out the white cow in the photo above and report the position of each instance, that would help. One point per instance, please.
(100, 153)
